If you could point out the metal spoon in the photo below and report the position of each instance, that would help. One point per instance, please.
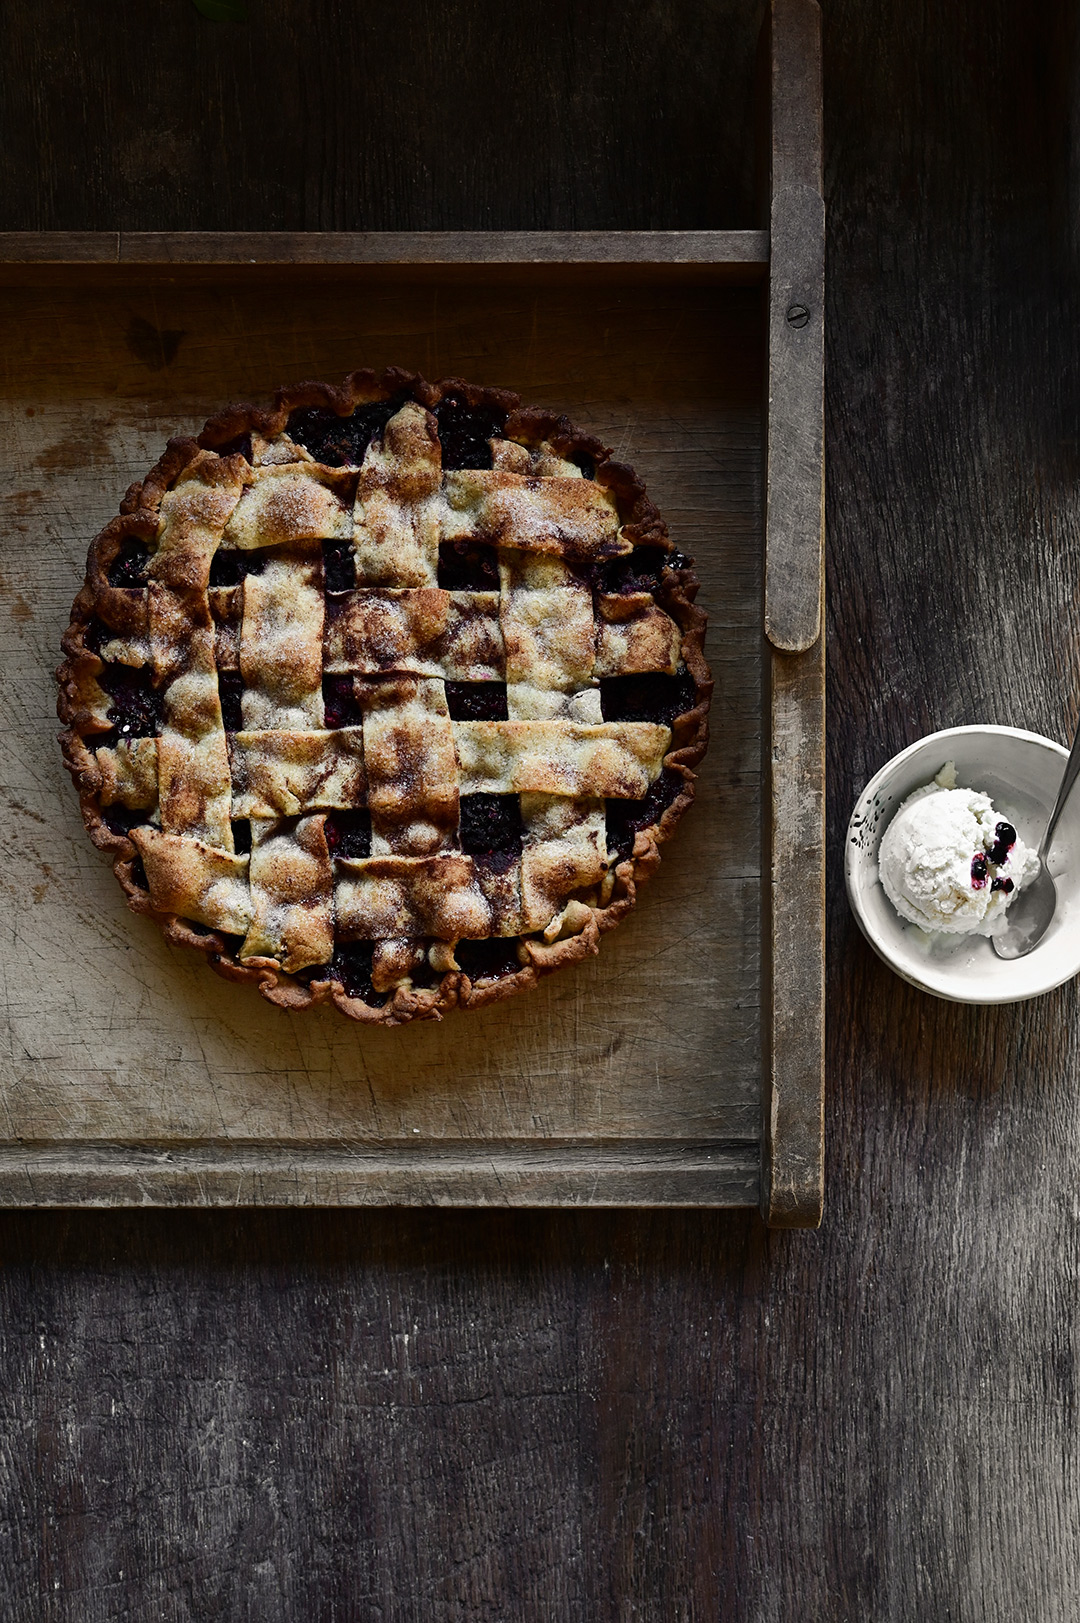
(1032, 909)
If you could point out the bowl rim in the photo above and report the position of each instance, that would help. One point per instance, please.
(853, 856)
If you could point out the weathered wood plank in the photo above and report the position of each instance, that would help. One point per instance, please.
(537, 1172)
(793, 739)
(398, 248)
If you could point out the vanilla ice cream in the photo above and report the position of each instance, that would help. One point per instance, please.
(949, 862)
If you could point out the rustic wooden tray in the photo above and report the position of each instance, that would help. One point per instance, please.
(681, 1067)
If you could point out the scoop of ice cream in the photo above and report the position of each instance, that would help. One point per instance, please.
(949, 862)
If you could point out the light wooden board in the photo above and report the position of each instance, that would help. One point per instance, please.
(130, 1072)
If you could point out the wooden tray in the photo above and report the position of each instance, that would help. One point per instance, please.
(681, 1067)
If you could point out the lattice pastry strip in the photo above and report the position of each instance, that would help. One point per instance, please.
(283, 774)
(290, 504)
(546, 616)
(411, 766)
(362, 705)
(422, 630)
(615, 760)
(194, 784)
(281, 638)
(399, 504)
(292, 894)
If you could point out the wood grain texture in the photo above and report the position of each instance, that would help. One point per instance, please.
(795, 443)
(225, 1099)
(747, 250)
(488, 1417)
(793, 827)
(331, 116)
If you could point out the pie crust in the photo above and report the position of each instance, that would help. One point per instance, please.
(385, 696)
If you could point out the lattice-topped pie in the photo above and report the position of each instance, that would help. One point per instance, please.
(386, 695)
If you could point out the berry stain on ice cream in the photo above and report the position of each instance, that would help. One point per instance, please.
(949, 863)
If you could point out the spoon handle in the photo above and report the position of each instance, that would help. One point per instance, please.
(1072, 769)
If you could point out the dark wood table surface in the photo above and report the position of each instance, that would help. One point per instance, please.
(659, 1416)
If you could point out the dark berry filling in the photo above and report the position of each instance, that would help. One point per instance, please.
(351, 965)
(129, 566)
(339, 702)
(1005, 885)
(231, 944)
(649, 697)
(488, 960)
(423, 976)
(241, 835)
(465, 432)
(339, 442)
(496, 862)
(121, 819)
(240, 445)
(1004, 840)
(229, 565)
(490, 823)
(468, 566)
(348, 834)
(980, 869)
(339, 565)
(476, 701)
(138, 874)
(625, 818)
(582, 460)
(96, 635)
(230, 691)
(638, 571)
(136, 704)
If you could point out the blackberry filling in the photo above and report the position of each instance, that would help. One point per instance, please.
(96, 635)
(638, 571)
(339, 442)
(625, 818)
(650, 697)
(476, 701)
(351, 965)
(468, 566)
(582, 460)
(490, 823)
(488, 960)
(348, 834)
(339, 566)
(497, 862)
(241, 446)
(230, 691)
(121, 819)
(241, 835)
(1005, 885)
(229, 565)
(136, 705)
(465, 432)
(129, 566)
(138, 875)
(980, 869)
(339, 702)
(231, 944)
(1004, 840)
(424, 977)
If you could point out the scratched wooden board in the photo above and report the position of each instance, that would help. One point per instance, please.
(130, 1071)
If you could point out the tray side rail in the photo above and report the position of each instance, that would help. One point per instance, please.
(793, 878)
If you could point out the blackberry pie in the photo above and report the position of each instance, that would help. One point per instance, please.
(385, 696)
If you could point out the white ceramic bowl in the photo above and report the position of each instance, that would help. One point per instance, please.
(1021, 773)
